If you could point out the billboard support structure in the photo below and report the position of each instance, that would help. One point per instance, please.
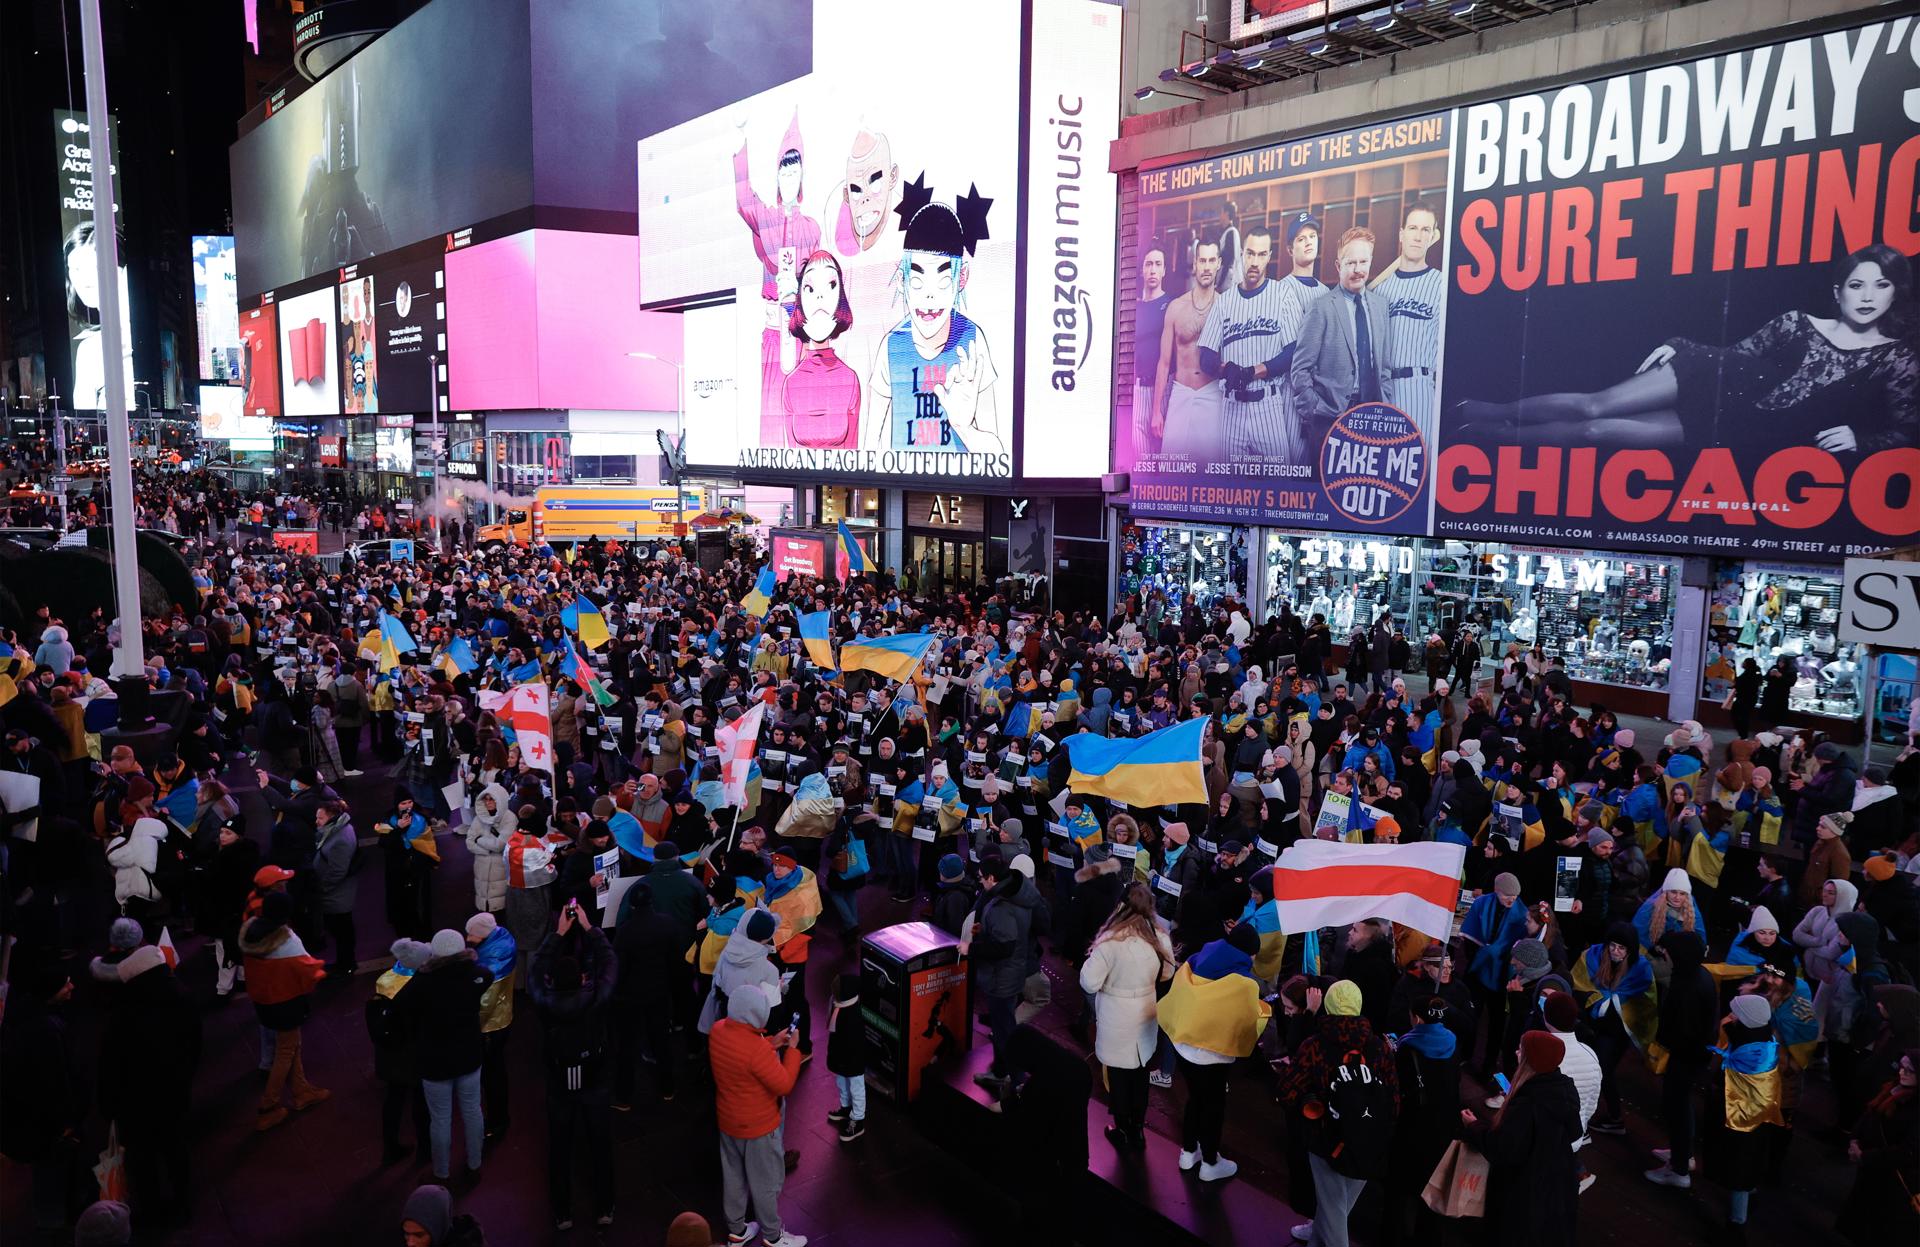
(129, 663)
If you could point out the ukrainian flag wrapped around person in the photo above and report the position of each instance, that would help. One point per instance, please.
(1214, 1003)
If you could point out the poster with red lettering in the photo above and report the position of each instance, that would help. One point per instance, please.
(1681, 305)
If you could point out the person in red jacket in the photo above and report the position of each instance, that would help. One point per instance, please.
(751, 1073)
(280, 979)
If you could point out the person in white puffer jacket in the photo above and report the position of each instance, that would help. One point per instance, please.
(493, 825)
(134, 855)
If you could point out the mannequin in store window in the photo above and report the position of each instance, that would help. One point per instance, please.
(1524, 627)
(1606, 635)
(1842, 677)
(1321, 605)
(1343, 612)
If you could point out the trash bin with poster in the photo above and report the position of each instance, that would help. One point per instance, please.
(914, 1003)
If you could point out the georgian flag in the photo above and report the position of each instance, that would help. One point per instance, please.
(524, 709)
(737, 741)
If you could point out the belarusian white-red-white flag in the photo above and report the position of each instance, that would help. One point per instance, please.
(1321, 883)
(737, 741)
(524, 709)
(167, 949)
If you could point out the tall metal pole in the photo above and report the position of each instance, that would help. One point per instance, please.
(129, 660)
(436, 445)
(62, 482)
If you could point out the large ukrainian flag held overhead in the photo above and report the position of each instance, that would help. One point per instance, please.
(895, 657)
(856, 557)
(1160, 768)
(760, 597)
(816, 633)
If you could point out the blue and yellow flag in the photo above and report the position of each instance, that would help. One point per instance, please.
(458, 658)
(585, 619)
(1160, 768)
(393, 630)
(856, 557)
(760, 598)
(816, 633)
(1264, 917)
(1020, 718)
(895, 657)
(525, 672)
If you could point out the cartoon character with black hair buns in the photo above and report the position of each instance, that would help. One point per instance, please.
(932, 379)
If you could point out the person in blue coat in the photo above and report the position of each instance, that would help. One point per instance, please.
(1369, 744)
(1493, 925)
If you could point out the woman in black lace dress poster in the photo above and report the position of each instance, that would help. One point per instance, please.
(1844, 382)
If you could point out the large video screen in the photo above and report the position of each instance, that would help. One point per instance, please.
(359, 362)
(410, 323)
(309, 360)
(607, 73)
(867, 241)
(427, 128)
(73, 152)
(393, 450)
(216, 308)
(224, 417)
(1669, 309)
(260, 360)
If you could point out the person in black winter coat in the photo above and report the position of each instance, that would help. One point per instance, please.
(148, 1058)
(572, 985)
(229, 883)
(847, 1058)
(652, 989)
(1531, 1184)
(1371, 968)
(443, 1002)
(1097, 887)
(1689, 1012)
(1427, 1060)
(40, 1116)
(954, 897)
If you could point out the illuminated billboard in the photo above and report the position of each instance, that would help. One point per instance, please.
(309, 366)
(216, 308)
(73, 150)
(260, 360)
(223, 416)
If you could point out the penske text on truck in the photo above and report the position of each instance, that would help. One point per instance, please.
(565, 514)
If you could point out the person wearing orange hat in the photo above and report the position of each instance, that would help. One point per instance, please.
(1528, 1143)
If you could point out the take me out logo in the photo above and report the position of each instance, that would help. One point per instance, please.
(1072, 303)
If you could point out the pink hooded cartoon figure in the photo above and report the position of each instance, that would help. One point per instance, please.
(783, 236)
(822, 395)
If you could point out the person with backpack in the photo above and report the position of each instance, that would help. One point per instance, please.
(333, 869)
(571, 982)
(1532, 1196)
(395, 1039)
(1343, 1081)
(134, 855)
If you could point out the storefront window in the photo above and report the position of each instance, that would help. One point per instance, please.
(1201, 565)
(1777, 612)
(1609, 617)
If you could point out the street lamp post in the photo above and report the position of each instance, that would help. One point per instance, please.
(60, 480)
(676, 454)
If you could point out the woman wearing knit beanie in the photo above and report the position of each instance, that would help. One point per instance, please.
(1528, 1144)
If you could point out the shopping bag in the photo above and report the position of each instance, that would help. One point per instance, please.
(1657, 1057)
(1458, 1187)
(111, 1172)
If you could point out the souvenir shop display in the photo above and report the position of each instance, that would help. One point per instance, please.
(1766, 612)
(1202, 565)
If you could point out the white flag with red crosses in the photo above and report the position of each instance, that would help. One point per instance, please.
(737, 741)
(525, 710)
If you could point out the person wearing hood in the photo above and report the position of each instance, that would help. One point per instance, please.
(134, 855)
(149, 1098)
(1342, 1036)
(443, 1003)
(395, 1040)
(998, 933)
(427, 1219)
(1427, 1066)
(954, 896)
(55, 652)
(1098, 885)
(488, 829)
(1689, 1009)
(1129, 957)
(1213, 1016)
(1528, 1143)
(281, 979)
(1829, 858)
(745, 965)
(752, 1073)
(1848, 1015)
(1493, 924)
(1818, 937)
(572, 983)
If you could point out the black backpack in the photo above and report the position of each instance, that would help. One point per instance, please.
(1356, 1128)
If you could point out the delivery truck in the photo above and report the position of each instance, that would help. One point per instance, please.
(562, 515)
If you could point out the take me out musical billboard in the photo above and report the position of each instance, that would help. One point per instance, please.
(1672, 309)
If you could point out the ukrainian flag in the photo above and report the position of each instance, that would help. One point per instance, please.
(816, 633)
(895, 657)
(1020, 719)
(1264, 917)
(856, 558)
(1160, 768)
(585, 619)
(525, 672)
(760, 598)
(458, 658)
(1085, 830)
(1752, 1085)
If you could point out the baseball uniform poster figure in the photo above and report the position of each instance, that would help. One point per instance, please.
(1416, 295)
(783, 235)
(1149, 319)
(866, 198)
(933, 375)
(1345, 342)
(1845, 383)
(822, 395)
(1186, 402)
(1249, 336)
(357, 363)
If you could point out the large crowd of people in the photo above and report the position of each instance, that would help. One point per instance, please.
(1740, 918)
